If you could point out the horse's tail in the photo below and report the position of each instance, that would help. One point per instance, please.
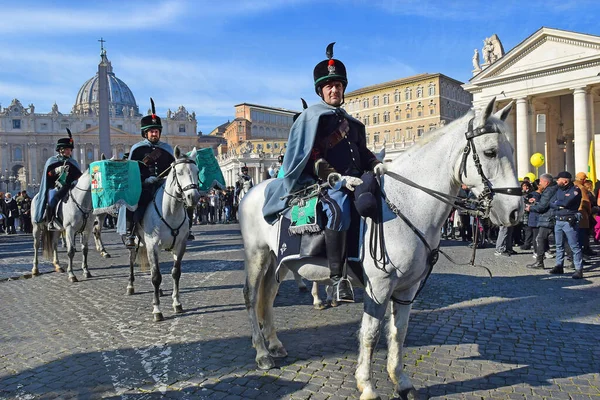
(48, 244)
(142, 258)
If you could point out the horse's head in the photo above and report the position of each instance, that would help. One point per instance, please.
(185, 175)
(496, 170)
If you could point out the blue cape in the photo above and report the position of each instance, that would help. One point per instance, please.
(162, 145)
(40, 207)
(299, 147)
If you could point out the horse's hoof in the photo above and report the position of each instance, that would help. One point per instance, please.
(105, 254)
(178, 309)
(158, 317)
(278, 352)
(35, 272)
(319, 306)
(87, 275)
(334, 303)
(409, 394)
(58, 268)
(161, 293)
(369, 394)
(265, 363)
(73, 279)
(303, 289)
(130, 291)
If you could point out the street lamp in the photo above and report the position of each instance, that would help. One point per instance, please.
(34, 187)
(7, 179)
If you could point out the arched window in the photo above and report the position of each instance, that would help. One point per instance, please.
(408, 94)
(386, 99)
(396, 96)
(432, 89)
(420, 91)
(375, 101)
(365, 103)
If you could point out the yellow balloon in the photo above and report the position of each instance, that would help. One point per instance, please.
(531, 176)
(537, 160)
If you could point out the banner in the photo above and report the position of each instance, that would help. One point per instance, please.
(592, 166)
(209, 171)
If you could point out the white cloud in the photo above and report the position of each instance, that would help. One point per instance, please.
(58, 20)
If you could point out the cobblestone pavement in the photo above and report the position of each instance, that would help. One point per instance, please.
(523, 334)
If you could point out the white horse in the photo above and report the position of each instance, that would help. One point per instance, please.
(98, 224)
(165, 226)
(76, 216)
(437, 159)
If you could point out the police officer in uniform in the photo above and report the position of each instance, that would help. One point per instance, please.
(60, 173)
(154, 158)
(566, 205)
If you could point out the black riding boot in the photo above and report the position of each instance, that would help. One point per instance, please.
(130, 235)
(53, 224)
(335, 247)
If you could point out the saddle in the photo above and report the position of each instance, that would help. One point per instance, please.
(294, 246)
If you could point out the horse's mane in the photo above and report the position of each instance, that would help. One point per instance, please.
(436, 133)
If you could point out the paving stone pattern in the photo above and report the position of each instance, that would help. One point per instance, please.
(523, 334)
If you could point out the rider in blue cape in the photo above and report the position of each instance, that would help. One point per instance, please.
(326, 144)
(59, 174)
(154, 157)
(239, 184)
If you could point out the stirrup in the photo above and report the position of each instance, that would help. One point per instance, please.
(346, 293)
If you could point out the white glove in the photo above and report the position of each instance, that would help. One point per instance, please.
(150, 180)
(380, 169)
(337, 181)
(59, 170)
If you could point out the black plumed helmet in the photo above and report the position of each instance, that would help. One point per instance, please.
(65, 143)
(329, 70)
(150, 121)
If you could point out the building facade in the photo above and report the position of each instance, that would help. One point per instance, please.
(255, 138)
(397, 113)
(28, 138)
(553, 78)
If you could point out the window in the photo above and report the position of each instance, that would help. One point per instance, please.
(541, 123)
(365, 103)
(376, 138)
(368, 138)
(386, 99)
(64, 126)
(396, 96)
(432, 89)
(181, 128)
(366, 121)
(420, 91)
(420, 131)
(397, 134)
(386, 116)
(375, 101)
(408, 94)
(16, 123)
(431, 111)
(375, 118)
(18, 154)
(409, 133)
(88, 126)
(90, 155)
(386, 136)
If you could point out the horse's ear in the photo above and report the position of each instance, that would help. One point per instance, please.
(489, 109)
(102, 156)
(193, 154)
(503, 114)
(177, 152)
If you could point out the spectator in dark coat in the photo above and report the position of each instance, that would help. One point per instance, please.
(545, 218)
(12, 212)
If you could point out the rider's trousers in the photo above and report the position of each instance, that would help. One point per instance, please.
(336, 205)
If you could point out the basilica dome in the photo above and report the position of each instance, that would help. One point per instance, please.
(120, 98)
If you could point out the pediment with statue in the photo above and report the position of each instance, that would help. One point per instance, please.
(546, 51)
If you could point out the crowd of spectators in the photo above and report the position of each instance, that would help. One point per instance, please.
(15, 212)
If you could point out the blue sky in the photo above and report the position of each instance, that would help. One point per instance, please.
(210, 55)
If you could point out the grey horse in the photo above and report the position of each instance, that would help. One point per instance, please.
(438, 157)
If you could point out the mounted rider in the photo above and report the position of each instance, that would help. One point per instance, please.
(326, 144)
(243, 177)
(60, 173)
(154, 158)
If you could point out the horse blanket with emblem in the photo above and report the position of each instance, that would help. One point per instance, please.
(115, 184)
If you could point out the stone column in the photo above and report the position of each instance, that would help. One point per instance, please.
(96, 153)
(81, 156)
(523, 150)
(33, 162)
(581, 130)
(569, 158)
(4, 158)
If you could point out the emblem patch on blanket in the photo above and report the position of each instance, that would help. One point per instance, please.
(304, 217)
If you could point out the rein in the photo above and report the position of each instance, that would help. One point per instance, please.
(178, 197)
(479, 207)
(86, 214)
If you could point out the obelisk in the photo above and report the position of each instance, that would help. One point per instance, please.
(104, 121)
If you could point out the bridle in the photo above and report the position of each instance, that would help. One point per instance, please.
(178, 196)
(479, 207)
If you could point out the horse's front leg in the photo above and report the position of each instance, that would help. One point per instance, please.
(132, 257)
(156, 281)
(85, 238)
(176, 274)
(98, 236)
(317, 303)
(397, 329)
(370, 329)
(331, 300)
(70, 239)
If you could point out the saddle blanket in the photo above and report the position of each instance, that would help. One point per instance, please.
(115, 184)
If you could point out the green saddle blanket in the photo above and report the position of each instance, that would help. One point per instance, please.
(115, 184)
(304, 217)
